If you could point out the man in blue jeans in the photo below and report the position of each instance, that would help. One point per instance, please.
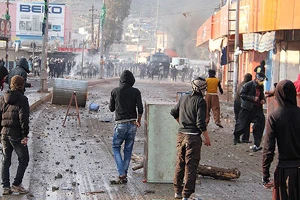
(126, 102)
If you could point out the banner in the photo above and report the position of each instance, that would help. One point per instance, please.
(30, 16)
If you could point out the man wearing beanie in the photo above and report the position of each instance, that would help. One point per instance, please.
(22, 69)
(14, 118)
(190, 113)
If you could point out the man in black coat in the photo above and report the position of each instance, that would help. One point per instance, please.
(22, 69)
(253, 98)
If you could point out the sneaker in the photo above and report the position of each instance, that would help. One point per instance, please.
(6, 191)
(120, 180)
(178, 196)
(19, 189)
(220, 125)
(254, 148)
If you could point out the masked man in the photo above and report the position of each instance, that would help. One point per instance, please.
(253, 98)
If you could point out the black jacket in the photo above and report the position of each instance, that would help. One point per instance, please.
(248, 93)
(283, 128)
(126, 100)
(22, 69)
(14, 114)
(191, 111)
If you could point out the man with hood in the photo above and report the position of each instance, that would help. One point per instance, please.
(190, 113)
(283, 128)
(212, 98)
(237, 104)
(22, 69)
(14, 118)
(253, 98)
(126, 102)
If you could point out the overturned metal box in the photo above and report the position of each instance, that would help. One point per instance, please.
(63, 90)
(160, 142)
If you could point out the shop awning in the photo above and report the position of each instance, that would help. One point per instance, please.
(259, 42)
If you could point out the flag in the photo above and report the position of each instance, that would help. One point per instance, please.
(103, 14)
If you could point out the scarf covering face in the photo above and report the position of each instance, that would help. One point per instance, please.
(199, 85)
(285, 93)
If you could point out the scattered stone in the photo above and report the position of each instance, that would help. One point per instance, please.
(54, 188)
(58, 176)
(72, 157)
(250, 154)
(149, 191)
(57, 163)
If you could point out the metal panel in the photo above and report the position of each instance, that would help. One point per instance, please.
(64, 88)
(160, 145)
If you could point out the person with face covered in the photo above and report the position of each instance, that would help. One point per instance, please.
(252, 100)
(190, 113)
(283, 130)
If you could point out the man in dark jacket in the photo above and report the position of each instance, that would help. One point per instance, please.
(237, 104)
(22, 69)
(253, 97)
(283, 127)
(3, 74)
(126, 102)
(14, 118)
(190, 113)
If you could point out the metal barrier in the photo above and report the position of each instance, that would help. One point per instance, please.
(63, 90)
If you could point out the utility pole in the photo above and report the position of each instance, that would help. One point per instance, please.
(138, 40)
(43, 83)
(6, 47)
(102, 17)
(156, 24)
(98, 41)
(236, 49)
(82, 58)
(93, 9)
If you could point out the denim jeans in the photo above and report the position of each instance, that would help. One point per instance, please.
(8, 145)
(123, 132)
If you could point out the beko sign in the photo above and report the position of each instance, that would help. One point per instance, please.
(27, 8)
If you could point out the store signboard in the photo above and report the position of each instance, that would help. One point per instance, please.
(29, 19)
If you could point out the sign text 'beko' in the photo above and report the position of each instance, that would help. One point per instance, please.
(40, 9)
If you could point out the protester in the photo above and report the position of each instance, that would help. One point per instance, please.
(253, 97)
(283, 127)
(3, 75)
(190, 113)
(237, 105)
(261, 68)
(297, 84)
(212, 98)
(22, 69)
(14, 113)
(126, 102)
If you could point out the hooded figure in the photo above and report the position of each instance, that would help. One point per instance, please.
(126, 102)
(14, 117)
(297, 84)
(283, 130)
(22, 69)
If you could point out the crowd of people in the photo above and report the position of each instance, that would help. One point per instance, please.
(192, 112)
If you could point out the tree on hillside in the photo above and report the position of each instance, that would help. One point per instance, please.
(116, 12)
